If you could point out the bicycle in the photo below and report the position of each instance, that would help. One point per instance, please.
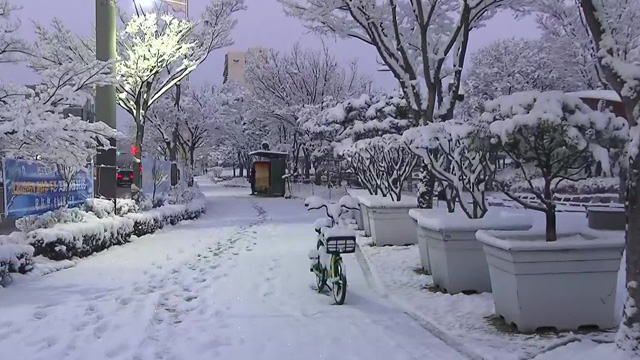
(334, 239)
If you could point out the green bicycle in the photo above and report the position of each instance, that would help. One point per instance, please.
(334, 239)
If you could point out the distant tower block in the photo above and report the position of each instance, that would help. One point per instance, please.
(235, 64)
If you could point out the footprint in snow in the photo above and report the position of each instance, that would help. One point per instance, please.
(117, 350)
(40, 314)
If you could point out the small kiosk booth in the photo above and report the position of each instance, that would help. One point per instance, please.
(269, 167)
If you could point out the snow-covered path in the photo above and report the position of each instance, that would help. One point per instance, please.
(234, 284)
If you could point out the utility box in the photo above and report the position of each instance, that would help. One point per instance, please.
(268, 168)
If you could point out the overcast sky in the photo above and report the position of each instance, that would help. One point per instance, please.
(263, 24)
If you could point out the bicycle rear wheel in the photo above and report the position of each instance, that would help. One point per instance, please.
(339, 289)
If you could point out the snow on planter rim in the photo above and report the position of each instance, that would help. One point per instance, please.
(358, 193)
(441, 220)
(376, 201)
(535, 240)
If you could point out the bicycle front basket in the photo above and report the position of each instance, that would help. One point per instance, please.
(341, 244)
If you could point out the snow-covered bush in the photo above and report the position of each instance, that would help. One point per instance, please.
(126, 206)
(50, 219)
(100, 207)
(183, 194)
(216, 172)
(68, 240)
(15, 256)
(556, 133)
(459, 156)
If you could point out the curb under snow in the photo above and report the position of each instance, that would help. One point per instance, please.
(375, 282)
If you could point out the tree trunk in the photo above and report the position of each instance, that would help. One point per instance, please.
(425, 189)
(551, 226)
(307, 165)
(550, 213)
(173, 156)
(628, 336)
(137, 162)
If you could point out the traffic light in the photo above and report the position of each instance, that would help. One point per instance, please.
(118, 153)
(134, 151)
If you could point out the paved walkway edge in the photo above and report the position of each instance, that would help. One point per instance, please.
(375, 282)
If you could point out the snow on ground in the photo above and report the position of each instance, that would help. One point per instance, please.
(464, 320)
(585, 350)
(234, 284)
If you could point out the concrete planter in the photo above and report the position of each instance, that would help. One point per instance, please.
(360, 215)
(607, 218)
(456, 259)
(392, 226)
(565, 284)
(388, 221)
(422, 240)
(364, 210)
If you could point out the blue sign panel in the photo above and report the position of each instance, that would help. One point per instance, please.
(34, 188)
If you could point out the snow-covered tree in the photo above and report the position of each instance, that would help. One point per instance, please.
(416, 40)
(240, 128)
(159, 51)
(156, 52)
(283, 84)
(360, 130)
(11, 45)
(513, 65)
(557, 134)
(567, 33)
(460, 157)
(32, 120)
(422, 42)
(619, 58)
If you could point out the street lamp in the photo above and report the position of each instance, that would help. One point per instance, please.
(176, 5)
(106, 95)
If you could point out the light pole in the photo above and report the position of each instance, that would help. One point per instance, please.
(106, 95)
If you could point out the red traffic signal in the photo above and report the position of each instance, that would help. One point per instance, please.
(134, 151)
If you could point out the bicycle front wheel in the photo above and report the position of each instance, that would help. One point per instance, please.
(339, 280)
(321, 272)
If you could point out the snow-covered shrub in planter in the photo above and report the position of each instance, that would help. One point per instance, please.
(540, 280)
(65, 241)
(459, 156)
(15, 256)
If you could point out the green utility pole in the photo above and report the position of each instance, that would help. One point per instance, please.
(106, 96)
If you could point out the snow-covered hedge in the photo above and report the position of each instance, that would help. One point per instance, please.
(50, 219)
(93, 234)
(591, 186)
(68, 233)
(150, 221)
(14, 255)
